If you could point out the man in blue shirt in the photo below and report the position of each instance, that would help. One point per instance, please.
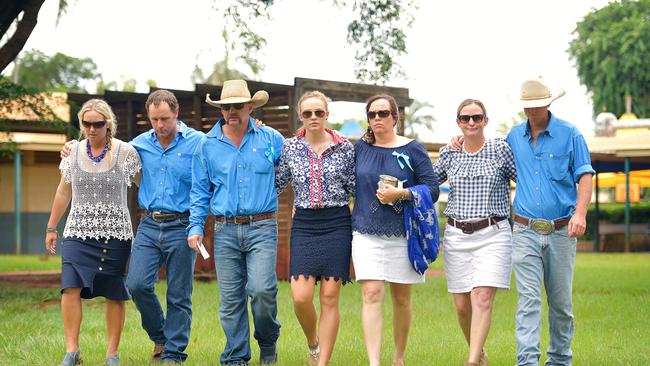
(233, 173)
(166, 154)
(551, 158)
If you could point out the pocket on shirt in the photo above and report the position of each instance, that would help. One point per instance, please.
(557, 166)
(183, 169)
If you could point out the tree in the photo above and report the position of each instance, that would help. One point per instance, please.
(221, 71)
(504, 127)
(55, 73)
(16, 28)
(416, 117)
(611, 49)
(377, 31)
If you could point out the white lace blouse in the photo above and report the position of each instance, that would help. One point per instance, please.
(99, 192)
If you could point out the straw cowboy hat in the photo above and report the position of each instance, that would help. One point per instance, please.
(236, 91)
(535, 93)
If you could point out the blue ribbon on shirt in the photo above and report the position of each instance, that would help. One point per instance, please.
(404, 157)
(270, 153)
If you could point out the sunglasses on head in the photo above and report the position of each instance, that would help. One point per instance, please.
(97, 125)
(308, 114)
(381, 114)
(477, 118)
(227, 107)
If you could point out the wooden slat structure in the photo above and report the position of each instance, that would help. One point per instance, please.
(277, 113)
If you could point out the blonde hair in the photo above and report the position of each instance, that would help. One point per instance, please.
(100, 106)
(313, 94)
(309, 95)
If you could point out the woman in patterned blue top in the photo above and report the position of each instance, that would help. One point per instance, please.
(379, 246)
(477, 243)
(319, 162)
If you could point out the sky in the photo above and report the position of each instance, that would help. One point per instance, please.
(456, 49)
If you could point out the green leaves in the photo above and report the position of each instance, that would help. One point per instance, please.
(611, 53)
(59, 72)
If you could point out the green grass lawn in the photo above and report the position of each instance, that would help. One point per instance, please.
(611, 298)
(18, 263)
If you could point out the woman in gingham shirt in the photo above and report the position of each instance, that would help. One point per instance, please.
(477, 243)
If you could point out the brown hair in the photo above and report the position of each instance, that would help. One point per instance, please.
(369, 136)
(467, 102)
(162, 95)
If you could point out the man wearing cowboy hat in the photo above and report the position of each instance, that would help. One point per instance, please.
(551, 158)
(233, 172)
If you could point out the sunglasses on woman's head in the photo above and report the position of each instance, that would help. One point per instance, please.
(381, 114)
(97, 125)
(307, 114)
(227, 107)
(477, 118)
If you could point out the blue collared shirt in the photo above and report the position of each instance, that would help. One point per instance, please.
(234, 181)
(166, 173)
(547, 172)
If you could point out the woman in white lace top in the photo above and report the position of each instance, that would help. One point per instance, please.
(97, 237)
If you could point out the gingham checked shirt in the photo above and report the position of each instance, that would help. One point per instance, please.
(478, 183)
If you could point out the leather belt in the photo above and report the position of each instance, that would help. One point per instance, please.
(160, 216)
(241, 220)
(543, 226)
(470, 227)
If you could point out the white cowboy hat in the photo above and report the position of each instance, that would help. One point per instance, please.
(535, 93)
(236, 91)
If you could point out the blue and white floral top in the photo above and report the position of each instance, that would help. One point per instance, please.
(325, 181)
(409, 163)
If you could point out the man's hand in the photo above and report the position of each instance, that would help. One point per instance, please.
(456, 142)
(67, 147)
(259, 123)
(193, 241)
(577, 225)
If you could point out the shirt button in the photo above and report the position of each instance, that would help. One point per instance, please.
(104, 250)
(106, 241)
(241, 181)
(101, 260)
(100, 268)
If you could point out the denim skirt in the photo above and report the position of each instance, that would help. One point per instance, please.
(321, 242)
(98, 267)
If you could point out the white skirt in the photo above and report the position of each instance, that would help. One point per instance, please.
(480, 259)
(382, 258)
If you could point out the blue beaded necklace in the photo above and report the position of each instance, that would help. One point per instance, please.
(100, 156)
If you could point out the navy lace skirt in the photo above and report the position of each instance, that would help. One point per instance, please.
(321, 242)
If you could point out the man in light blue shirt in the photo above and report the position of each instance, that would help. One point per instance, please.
(233, 173)
(550, 213)
(166, 153)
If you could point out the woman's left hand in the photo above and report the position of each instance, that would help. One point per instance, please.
(389, 194)
(50, 242)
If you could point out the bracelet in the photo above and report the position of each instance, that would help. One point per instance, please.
(51, 230)
(404, 195)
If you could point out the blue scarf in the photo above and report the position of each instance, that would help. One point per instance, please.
(421, 226)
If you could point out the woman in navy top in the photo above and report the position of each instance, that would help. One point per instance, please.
(379, 246)
(319, 163)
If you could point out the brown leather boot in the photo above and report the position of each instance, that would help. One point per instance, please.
(156, 355)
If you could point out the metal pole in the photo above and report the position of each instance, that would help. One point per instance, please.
(627, 204)
(597, 213)
(17, 213)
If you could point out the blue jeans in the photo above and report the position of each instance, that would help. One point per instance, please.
(165, 243)
(245, 258)
(550, 258)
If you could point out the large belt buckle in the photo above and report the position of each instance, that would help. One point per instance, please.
(467, 227)
(542, 226)
(156, 215)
